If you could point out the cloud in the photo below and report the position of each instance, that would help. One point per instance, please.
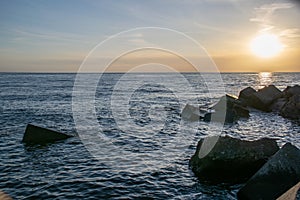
(290, 33)
(265, 12)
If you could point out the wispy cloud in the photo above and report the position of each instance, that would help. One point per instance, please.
(264, 14)
(22, 35)
(291, 33)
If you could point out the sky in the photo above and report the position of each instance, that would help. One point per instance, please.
(59, 35)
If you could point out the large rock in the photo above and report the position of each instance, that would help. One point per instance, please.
(228, 109)
(292, 108)
(291, 91)
(37, 135)
(245, 95)
(230, 159)
(263, 98)
(277, 106)
(192, 113)
(278, 175)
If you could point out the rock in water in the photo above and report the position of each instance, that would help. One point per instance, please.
(262, 99)
(37, 135)
(291, 91)
(292, 108)
(191, 113)
(278, 175)
(277, 106)
(231, 160)
(245, 95)
(228, 110)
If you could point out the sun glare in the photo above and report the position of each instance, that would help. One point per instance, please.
(266, 45)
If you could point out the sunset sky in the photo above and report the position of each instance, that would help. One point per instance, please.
(56, 35)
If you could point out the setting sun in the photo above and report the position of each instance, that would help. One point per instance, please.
(266, 45)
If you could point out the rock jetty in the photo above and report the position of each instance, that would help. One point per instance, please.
(271, 99)
(230, 108)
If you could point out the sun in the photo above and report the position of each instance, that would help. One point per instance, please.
(266, 45)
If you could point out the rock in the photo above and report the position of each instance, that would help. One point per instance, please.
(191, 113)
(276, 177)
(291, 91)
(292, 108)
(263, 98)
(230, 160)
(37, 135)
(245, 95)
(277, 106)
(227, 110)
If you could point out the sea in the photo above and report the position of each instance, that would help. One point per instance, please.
(129, 139)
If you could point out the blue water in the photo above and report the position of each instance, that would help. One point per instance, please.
(149, 148)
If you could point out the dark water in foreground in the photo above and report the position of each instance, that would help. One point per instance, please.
(150, 145)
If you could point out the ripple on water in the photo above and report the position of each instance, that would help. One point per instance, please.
(66, 170)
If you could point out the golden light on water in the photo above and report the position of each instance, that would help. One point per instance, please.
(265, 79)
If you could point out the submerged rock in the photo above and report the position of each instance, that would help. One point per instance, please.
(230, 160)
(276, 177)
(37, 135)
(228, 110)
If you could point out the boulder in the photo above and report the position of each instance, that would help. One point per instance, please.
(228, 109)
(245, 95)
(276, 177)
(37, 135)
(277, 106)
(264, 97)
(230, 160)
(191, 113)
(291, 91)
(292, 108)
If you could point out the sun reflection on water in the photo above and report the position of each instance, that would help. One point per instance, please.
(265, 79)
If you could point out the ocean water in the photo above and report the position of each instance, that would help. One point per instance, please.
(130, 142)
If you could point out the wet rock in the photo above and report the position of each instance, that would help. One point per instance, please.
(245, 95)
(191, 113)
(277, 106)
(263, 98)
(276, 177)
(228, 109)
(37, 135)
(291, 91)
(229, 159)
(291, 109)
